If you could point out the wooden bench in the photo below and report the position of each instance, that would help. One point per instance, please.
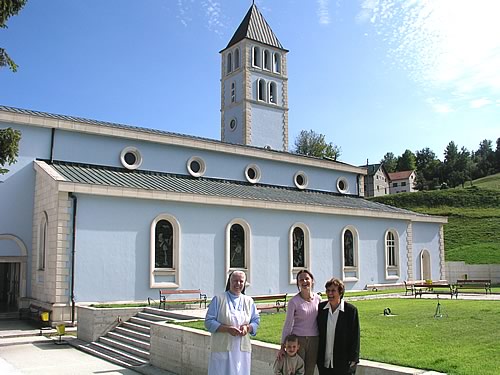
(164, 293)
(409, 288)
(474, 284)
(279, 298)
(435, 288)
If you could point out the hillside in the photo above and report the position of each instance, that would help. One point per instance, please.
(472, 234)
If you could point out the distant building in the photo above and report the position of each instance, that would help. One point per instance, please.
(376, 181)
(402, 182)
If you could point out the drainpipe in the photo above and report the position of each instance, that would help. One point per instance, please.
(73, 246)
(52, 137)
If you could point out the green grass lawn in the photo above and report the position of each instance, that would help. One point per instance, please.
(489, 182)
(466, 342)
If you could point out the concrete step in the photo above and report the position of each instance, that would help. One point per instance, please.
(151, 316)
(132, 332)
(142, 321)
(136, 327)
(133, 350)
(112, 355)
(160, 312)
(128, 340)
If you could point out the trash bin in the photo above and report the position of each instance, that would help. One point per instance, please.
(44, 316)
(61, 329)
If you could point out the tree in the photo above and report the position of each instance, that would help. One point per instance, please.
(313, 144)
(390, 162)
(485, 159)
(8, 8)
(449, 165)
(428, 169)
(9, 147)
(406, 162)
(497, 155)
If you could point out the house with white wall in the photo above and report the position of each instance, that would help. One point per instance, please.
(100, 212)
(402, 182)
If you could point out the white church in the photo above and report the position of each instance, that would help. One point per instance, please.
(99, 212)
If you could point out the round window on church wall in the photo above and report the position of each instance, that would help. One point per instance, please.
(342, 185)
(300, 180)
(131, 158)
(196, 166)
(252, 173)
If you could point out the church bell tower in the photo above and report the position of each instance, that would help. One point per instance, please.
(254, 86)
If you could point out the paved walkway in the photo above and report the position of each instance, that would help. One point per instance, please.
(24, 351)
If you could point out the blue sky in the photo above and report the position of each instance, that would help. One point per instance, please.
(372, 75)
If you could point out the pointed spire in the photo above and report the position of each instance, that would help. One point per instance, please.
(255, 27)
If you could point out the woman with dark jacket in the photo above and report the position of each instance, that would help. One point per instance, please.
(338, 325)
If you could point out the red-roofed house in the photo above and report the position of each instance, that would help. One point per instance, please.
(402, 182)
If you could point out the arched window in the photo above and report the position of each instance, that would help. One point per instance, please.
(164, 240)
(267, 60)
(350, 253)
(391, 254)
(164, 252)
(238, 247)
(261, 90)
(236, 58)
(348, 249)
(233, 92)
(277, 62)
(229, 64)
(391, 249)
(43, 240)
(273, 93)
(299, 249)
(256, 57)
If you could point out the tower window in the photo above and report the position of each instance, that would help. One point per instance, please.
(267, 60)
(229, 67)
(233, 124)
(236, 58)
(272, 93)
(261, 90)
(233, 92)
(256, 57)
(277, 62)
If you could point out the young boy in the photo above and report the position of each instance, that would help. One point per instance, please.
(290, 363)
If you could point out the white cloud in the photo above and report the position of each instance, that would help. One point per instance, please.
(478, 103)
(439, 107)
(323, 12)
(446, 44)
(213, 14)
